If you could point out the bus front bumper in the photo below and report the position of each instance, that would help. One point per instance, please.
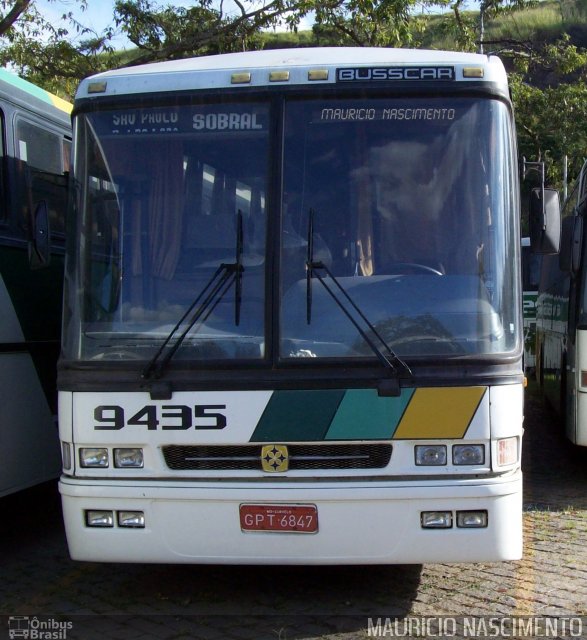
(357, 522)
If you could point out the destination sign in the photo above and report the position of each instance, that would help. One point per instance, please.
(378, 74)
(181, 120)
(348, 114)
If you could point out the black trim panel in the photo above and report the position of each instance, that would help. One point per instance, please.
(90, 378)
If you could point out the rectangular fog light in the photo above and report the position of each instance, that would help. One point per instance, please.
(472, 519)
(131, 519)
(436, 519)
(430, 455)
(99, 518)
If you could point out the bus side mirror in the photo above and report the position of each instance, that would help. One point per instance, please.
(545, 221)
(39, 242)
(571, 244)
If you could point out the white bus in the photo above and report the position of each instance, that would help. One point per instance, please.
(35, 146)
(561, 323)
(293, 325)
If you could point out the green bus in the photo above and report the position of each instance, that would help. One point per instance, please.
(35, 149)
(561, 319)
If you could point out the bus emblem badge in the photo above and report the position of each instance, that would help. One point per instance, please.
(274, 458)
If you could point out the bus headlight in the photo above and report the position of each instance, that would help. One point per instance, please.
(432, 455)
(93, 457)
(128, 458)
(463, 454)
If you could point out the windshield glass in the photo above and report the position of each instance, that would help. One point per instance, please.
(161, 195)
(411, 204)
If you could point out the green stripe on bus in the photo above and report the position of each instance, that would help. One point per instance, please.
(33, 90)
(298, 416)
(363, 415)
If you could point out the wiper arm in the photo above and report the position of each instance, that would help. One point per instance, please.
(387, 357)
(212, 293)
(202, 307)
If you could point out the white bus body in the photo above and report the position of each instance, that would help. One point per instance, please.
(35, 144)
(293, 325)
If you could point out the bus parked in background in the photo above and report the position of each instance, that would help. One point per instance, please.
(530, 279)
(561, 319)
(292, 324)
(35, 148)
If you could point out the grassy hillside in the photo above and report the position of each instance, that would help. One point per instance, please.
(548, 21)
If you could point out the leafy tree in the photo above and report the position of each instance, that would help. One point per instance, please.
(466, 28)
(45, 53)
(162, 33)
(550, 95)
(384, 23)
(167, 33)
(15, 11)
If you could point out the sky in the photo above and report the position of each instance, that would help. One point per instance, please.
(98, 15)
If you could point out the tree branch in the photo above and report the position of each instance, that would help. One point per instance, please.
(19, 7)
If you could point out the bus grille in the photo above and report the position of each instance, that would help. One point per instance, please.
(301, 457)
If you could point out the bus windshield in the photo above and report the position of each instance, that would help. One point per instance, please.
(411, 216)
(410, 213)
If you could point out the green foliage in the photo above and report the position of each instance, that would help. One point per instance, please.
(386, 23)
(165, 33)
(43, 53)
(550, 94)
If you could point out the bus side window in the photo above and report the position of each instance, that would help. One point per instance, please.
(3, 190)
(44, 155)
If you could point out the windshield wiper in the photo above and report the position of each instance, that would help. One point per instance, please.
(202, 307)
(387, 357)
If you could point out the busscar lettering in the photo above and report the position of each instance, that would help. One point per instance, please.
(226, 122)
(377, 74)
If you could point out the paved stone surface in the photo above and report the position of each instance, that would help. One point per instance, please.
(146, 602)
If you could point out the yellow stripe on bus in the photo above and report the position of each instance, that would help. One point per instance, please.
(439, 413)
(60, 103)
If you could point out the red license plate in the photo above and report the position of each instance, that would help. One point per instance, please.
(279, 517)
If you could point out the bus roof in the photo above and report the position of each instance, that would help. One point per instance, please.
(327, 65)
(14, 86)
